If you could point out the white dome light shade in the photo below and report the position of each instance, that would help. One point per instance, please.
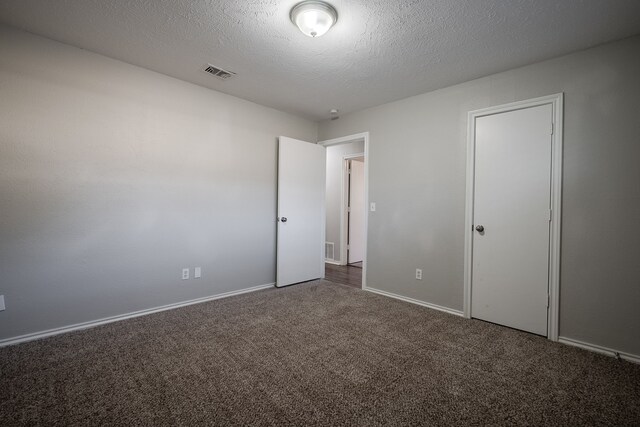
(314, 18)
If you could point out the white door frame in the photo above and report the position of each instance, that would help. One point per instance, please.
(345, 140)
(344, 204)
(556, 101)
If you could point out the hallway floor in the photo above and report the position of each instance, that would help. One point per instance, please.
(344, 274)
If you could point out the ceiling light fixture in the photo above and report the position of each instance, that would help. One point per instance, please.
(314, 18)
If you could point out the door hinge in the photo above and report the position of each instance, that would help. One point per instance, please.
(548, 300)
(550, 214)
(349, 209)
(552, 127)
(348, 247)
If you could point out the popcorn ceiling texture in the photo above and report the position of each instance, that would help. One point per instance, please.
(379, 51)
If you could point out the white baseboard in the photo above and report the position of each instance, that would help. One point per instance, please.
(332, 261)
(414, 301)
(599, 349)
(90, 324)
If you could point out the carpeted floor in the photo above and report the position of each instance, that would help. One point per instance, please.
(311, 354)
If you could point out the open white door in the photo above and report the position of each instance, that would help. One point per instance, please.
(301, 211)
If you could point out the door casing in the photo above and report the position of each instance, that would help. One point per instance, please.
(556, 101)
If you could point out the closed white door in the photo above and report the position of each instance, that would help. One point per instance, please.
(301, 211)
(512, 199)
(356, 212)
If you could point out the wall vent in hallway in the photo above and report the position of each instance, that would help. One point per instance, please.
(328, 250)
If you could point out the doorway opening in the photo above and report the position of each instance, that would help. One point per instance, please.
(346, 209)
(354, 210)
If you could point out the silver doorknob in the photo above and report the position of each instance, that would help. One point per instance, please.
(283, 219)
(479, 228)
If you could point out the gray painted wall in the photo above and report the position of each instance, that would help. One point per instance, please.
(335, 154)
(113, 178)
(417, 178)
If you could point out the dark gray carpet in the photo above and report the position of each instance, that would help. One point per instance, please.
(313, 354)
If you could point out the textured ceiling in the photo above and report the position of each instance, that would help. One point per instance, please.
(379, 51)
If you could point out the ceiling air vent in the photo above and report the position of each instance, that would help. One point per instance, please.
(219, 72)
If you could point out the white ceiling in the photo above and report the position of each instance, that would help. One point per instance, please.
(379, 51)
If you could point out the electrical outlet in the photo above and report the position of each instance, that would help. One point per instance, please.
(418, 274)
(185, 273)
(2, 307)
(197, 272)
